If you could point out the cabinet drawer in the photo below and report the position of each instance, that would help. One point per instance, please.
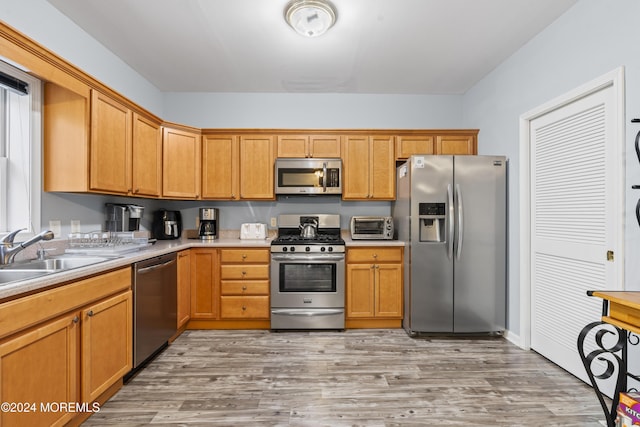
(377, 254)
(244, 272)
(249, 307)
(244, 256)
(245, 287)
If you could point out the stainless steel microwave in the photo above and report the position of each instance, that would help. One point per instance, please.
(308, 176)
(372, 227)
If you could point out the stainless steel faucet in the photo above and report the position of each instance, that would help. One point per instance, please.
(7, 249)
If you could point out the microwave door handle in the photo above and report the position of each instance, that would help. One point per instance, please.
(324, 177)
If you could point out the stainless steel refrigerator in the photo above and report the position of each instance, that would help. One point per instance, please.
(451, 211)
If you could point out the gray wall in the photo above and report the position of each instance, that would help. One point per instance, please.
(591, 39)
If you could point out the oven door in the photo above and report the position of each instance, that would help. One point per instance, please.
(307, 281)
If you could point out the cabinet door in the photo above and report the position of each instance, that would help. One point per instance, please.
(110, 167)
(355, 155)
(456, 144)
(360, 290)
(205, 288)
(257, 156)
(66, 130)
(220, 167)
(383, 169)
(324, 146)
(388, 292)
(407, 146)
(184, 287)
(180, 164)
(40, 367)
(146, 157)
(107, 344)
(293, 146)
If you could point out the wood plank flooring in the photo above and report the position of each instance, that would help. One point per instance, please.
(351, 378)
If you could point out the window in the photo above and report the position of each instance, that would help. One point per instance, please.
(20, 149)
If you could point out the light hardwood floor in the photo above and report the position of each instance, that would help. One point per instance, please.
(351, 378)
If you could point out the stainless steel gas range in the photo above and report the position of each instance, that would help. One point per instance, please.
(308, 273)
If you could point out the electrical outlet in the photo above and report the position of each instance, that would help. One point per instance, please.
(56, 227)
(75, 226)
(274, 221)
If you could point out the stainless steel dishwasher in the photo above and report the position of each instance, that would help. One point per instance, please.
(154, 306)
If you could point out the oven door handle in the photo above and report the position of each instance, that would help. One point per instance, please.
(304, 257)
(307, 312)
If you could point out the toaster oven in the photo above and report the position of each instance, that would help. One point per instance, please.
(371, 228)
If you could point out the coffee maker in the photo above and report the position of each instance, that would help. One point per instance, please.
(209, 223)
(123, 217)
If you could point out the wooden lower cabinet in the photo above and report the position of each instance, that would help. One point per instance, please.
(40, 367)
(184, 288)
(229, 288)
(205, 289)
(374, 287)
(70, 345)
(244, 282)
(107, 342)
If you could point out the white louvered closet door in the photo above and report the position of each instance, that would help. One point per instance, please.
(574, 218)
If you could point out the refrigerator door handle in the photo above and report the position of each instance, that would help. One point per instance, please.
(450, 219)
(460, 218)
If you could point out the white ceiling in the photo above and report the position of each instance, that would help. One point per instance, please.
(376, 46)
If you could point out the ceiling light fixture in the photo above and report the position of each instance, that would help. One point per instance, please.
(310, 18)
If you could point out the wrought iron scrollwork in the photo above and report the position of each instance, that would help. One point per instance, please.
(613, 355)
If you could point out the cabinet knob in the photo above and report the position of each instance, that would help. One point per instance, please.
(244, 287)
(244, 256)
(233, 196)
(244, 307)
(375, 255)
(76, 319)
(90, 313)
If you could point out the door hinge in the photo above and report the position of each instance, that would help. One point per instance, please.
(609, 255)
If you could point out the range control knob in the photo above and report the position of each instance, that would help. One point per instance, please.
(284, 249)
(322, 249)
(307, 249)
(330, 248)
(293, 249)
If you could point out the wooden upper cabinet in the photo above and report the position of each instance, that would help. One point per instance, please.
(66, 139)
(407, 146)
(220, 167)
(110, 168)
(369, 168)
(257, 157)
(180, 163)
(456, 144)
(383, 170)
(318, 146)
(146, 157)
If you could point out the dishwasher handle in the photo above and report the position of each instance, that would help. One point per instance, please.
(154, 267)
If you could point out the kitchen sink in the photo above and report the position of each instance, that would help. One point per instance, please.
(31, 269)
(8, 276)
(54, 264)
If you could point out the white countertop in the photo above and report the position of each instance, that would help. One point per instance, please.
(161, 247)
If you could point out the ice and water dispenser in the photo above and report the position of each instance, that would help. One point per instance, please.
(432, 218)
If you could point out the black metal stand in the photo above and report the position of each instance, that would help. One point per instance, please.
(615, 357)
